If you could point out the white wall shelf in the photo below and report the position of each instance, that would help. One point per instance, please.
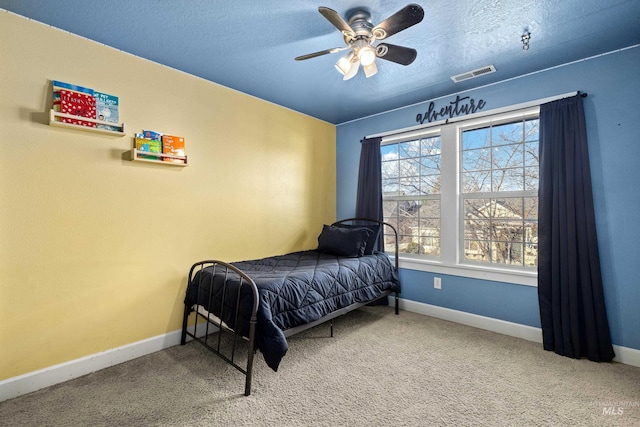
(55, 120)
(143, 156)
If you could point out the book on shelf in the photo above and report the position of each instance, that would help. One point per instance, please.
(78, 104)
(107, 111)
(150, 134)
(57, 85)
(173, 145)
(143, 144)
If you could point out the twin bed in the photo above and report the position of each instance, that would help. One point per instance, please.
(265, 301)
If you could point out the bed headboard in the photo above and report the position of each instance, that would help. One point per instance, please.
(365, 221)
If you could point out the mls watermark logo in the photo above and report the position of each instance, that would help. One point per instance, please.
(612, 410)
(616, 409)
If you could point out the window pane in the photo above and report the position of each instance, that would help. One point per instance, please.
(476, 250)
(477, 229)
(430, 209)
(531, 154)
(507, 253)
(476, 160)
(508, 156)
(430, 146)
(531, 232)
(431, 246)
(498, 231)
(477, 208)
(531, 179)
(507, 230)
(390, 169)
(410, 186)
(531, 208)
(476, 138)
(430, 184)
(531, 255)
(531, 128)
(390, 211)
(409, 149)
(473, 182)
(511, 207)
(507, 133)
(410, 167)
(430, 165)
(389, 152)
(417, 173)
(390, 187)
(507, 180)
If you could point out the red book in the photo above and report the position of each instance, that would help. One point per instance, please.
(77, 104)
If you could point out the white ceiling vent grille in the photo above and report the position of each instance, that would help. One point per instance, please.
(473, 74)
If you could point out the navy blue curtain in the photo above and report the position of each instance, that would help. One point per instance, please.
(572, 308)
(369, 195)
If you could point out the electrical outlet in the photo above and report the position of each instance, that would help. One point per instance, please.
(437, 283)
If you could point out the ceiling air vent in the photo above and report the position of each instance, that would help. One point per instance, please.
(473, 74)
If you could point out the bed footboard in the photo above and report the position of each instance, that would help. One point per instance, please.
(207, 323)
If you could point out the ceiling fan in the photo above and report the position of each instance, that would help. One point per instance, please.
(360, 36)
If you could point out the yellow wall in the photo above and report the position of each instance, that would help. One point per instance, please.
(94, 249)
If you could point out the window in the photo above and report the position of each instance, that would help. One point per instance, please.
(499, 188)
(465, 195)
(411, 193)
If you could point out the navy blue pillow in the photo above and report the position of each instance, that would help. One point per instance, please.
(373, 237)
(343, 241)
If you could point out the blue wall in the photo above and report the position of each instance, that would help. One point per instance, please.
(612, 112)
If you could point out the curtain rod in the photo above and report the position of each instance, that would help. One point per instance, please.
(500, 110)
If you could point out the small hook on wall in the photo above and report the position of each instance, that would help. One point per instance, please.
(525, 40)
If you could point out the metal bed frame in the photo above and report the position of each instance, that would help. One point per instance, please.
(201, 331)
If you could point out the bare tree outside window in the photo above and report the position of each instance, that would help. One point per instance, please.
(465, 194)
(411, 193)
(499, 185)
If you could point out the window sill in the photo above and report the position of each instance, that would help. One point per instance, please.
(471, 271)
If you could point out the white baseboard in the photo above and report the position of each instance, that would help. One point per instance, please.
(490, 324)
(626, 355)
(33, 381)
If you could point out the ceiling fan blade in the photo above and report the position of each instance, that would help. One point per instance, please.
(401, 20)
(337, 21)
(322, 52)
(398, 54)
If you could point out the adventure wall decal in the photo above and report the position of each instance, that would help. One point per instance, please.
(460, 106)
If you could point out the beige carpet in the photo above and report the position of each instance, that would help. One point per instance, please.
(378, 370)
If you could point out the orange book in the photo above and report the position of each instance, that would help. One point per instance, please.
(173, 145)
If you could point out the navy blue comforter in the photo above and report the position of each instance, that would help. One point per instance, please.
(294, 289)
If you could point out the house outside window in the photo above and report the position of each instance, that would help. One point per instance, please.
(464, 196)
(411, 193)
(499, 192)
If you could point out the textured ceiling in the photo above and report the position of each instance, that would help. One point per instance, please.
(250, 45)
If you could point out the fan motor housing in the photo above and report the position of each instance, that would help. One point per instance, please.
(360, 22)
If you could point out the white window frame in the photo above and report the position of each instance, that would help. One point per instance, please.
(412, 136)
(451, 260)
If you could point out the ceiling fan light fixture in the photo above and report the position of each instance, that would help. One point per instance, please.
(367, 55)
(343, 65)
(370, 70)
(359, 36)
(353, 70)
